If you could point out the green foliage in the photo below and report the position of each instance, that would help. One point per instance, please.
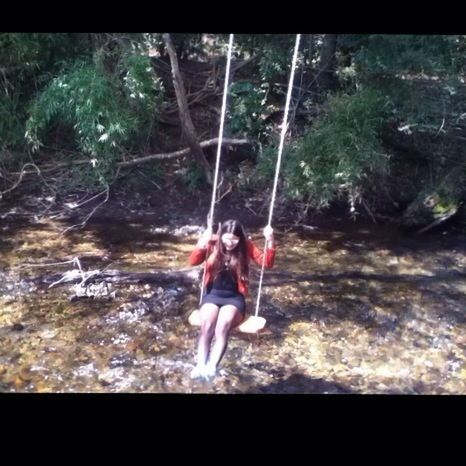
(423, 78)
(104, 112)
(11, 122)
(273, 62)
(343, 147)
(100, 88)
(418, 73)
(143, 89)
(246, 104)
(144, 93)
(27, 61)
(86, 100)
(394, 54)
(273, 51)
(23, 55)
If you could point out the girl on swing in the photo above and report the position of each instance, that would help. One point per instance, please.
(226, 286)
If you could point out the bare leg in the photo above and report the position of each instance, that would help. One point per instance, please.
(228, 318)
(209, 314)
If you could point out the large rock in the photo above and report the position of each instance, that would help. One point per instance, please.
(428, 210)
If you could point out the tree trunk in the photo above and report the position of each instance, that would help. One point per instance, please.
(187, 125)
(327, 78)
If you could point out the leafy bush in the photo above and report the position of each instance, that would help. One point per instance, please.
(27, 61)
(246, 103)
(338, 153)
(104, 113)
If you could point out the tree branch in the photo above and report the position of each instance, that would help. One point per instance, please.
(181, 152)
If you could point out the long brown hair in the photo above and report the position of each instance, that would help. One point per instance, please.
(239, 262)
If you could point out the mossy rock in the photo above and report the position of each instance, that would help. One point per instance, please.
(428, 208)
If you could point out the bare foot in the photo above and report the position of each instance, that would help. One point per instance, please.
(197, 372)
(210, 371)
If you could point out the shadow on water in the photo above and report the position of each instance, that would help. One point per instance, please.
(300, 383)
(279, 279)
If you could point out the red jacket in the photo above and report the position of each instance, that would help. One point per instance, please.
(199, 255)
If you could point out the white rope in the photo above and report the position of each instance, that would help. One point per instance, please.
(279, 159)
(220, 132)
(210, 219)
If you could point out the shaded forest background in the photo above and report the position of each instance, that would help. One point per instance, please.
(377, 122)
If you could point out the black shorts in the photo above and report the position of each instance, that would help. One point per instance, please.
(223, 298)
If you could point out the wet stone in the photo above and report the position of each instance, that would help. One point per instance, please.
(122, 359)
(17, 327)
